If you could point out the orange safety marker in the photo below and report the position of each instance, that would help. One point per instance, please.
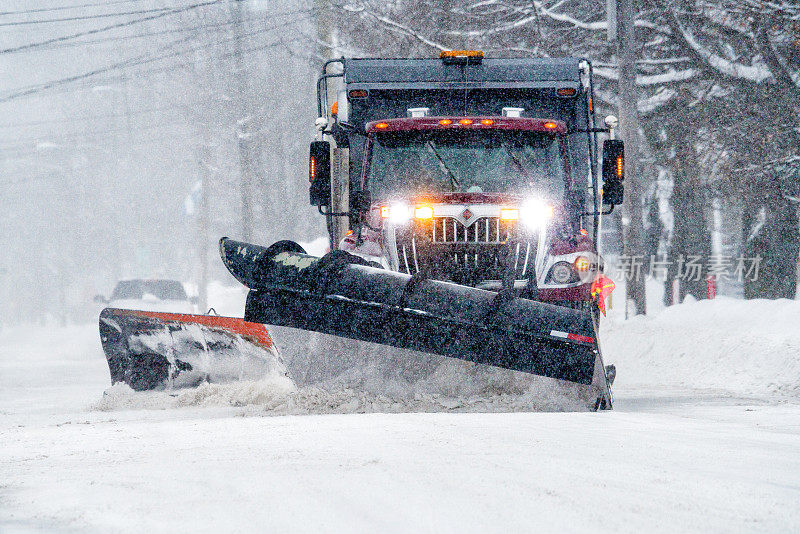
(600, 289)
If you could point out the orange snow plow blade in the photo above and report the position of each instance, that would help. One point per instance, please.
(152, 350)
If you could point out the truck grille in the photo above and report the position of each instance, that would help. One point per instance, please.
(484, 230)
(463, 254)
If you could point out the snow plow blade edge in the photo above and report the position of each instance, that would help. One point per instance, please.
(151, 350)
(342, 295)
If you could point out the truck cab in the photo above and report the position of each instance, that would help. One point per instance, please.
(480, 172)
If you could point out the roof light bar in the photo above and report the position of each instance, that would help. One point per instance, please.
(513, 112)
(462, 57)
(417, 112)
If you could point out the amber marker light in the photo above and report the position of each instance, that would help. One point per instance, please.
(487, 122)
(465, 122)
(382, 125)
(445, 122)
(620, 167)
(385, 212)
(312, 168)
(509, 214)
(423, 212)
(550, 125)
(582, 264)
(461, 53)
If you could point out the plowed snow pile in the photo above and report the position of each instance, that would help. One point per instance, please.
(739, 347)
(452, 386)
(749, 348)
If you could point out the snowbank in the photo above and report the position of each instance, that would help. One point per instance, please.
(748, 348)
(76, 459)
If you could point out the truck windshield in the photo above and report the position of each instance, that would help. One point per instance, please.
(406, 164)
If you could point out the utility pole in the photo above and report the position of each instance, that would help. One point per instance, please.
(243, 127)
(340, 163)
(633, 225)
(611, 21)
(202, 230)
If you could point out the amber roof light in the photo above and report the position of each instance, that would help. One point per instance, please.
(461, 53)
(461, 57)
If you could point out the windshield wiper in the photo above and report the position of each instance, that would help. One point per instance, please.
(454, 184)
(518, 163)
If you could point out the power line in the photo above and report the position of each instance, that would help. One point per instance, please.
(106, 28)
(168, 32)
(173, 67)
(65, 8)
(85, 17)
(93, 133)
(131, 62)
(139, 35)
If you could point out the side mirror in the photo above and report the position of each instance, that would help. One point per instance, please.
(319, 173)
(101, 299)
(613, 171)
(360, 201)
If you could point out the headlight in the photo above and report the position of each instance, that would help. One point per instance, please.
(536, 213)
(563, 273)
(396, 213)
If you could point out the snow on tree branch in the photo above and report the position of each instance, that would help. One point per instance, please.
(757, 72)
(671, 76)
(394, 25)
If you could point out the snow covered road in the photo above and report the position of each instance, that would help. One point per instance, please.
(670, 457)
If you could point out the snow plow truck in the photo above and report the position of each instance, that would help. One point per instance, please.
(463, 198)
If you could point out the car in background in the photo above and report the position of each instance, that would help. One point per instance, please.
(153, 295)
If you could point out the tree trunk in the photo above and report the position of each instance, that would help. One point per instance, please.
(691, 239)
(776, 243)
(633, 231)
(243, 130)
